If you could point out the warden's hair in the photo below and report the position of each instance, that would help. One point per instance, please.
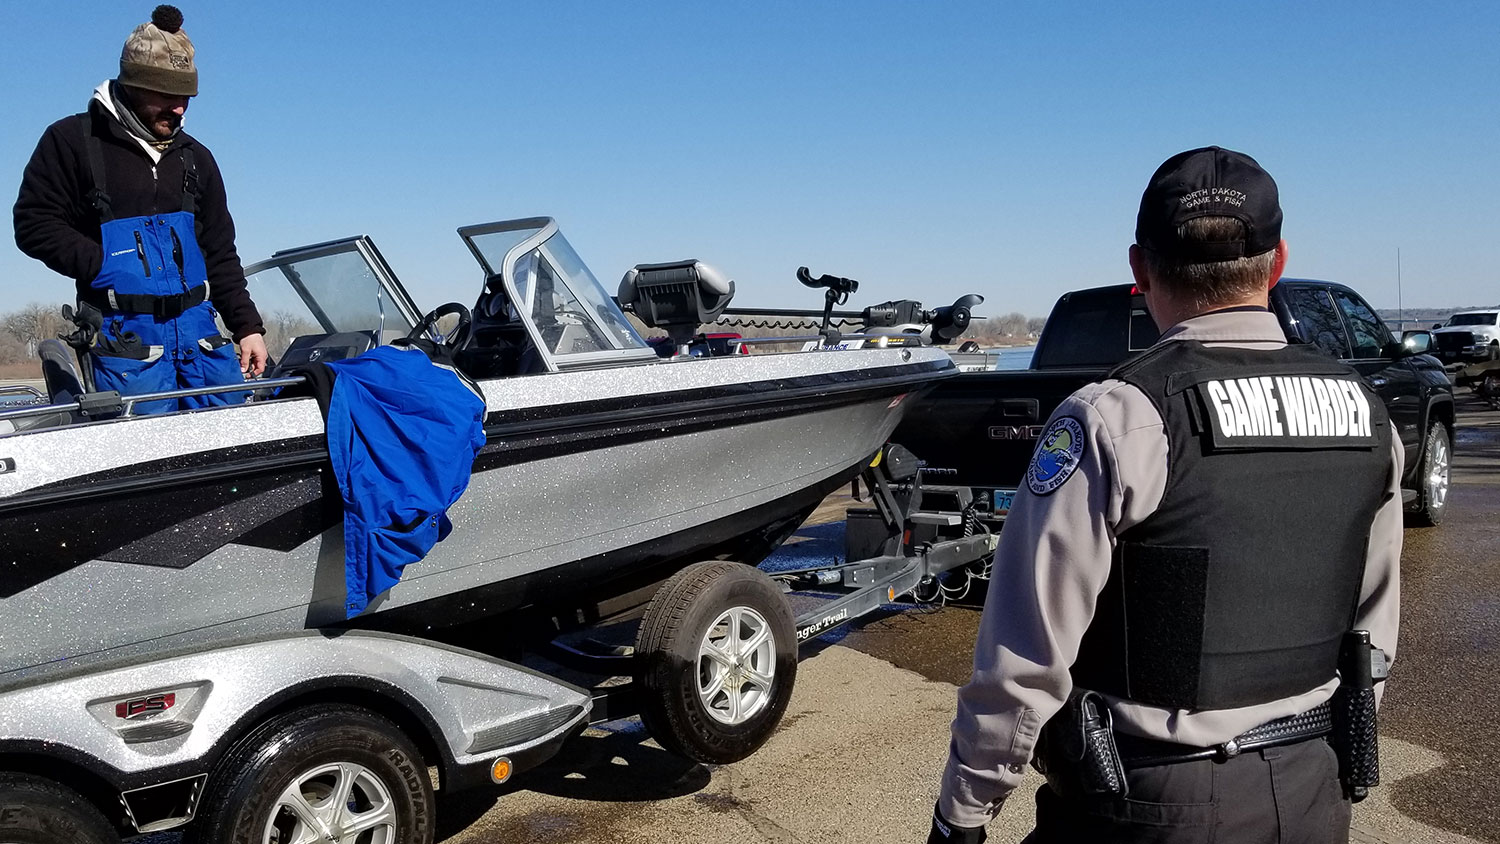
(1216, 283)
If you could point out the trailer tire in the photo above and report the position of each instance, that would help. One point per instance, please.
(316, 751)
(1433, 479)
(34, 810)
(716, 658)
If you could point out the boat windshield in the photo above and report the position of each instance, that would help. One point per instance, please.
(329, 289)
(566, 304)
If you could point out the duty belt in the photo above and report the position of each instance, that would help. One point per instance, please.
(1144, 753)
(161, 307)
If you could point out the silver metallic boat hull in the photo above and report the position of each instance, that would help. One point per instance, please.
(124, 538)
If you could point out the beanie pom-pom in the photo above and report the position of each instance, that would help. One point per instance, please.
(167, 18)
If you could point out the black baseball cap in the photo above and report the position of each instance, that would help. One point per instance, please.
(1209, 182)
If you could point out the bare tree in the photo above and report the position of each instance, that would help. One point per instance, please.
(34, 323)
(284, 326)
(12, 350)
(1012, 325)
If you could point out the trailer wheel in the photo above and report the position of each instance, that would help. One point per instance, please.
(716, 657)
(34, 810)
(1433, 478)
(331, 773)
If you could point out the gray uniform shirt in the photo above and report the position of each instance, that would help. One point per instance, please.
(1053, 560)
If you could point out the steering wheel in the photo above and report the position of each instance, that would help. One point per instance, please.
(427, 327)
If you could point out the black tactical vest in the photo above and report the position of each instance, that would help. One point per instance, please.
(1236, 591)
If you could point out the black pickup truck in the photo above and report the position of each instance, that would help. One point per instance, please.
(978, 430)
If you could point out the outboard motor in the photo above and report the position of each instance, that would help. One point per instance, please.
(677, 297)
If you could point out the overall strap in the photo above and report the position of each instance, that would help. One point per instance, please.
(189, 181)
(94, 152)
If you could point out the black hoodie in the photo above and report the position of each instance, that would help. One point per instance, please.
(57, 225)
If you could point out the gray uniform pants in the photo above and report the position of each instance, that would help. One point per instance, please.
(1280, 795)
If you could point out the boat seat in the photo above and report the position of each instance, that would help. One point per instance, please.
(678, 297)
(60, 374)
(499, 345)
(59, 371)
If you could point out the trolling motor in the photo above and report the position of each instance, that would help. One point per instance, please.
(907, 316)
(836, 293)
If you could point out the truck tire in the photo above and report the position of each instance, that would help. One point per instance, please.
(716, 657)
(1433, 479)
(34, 810)
(284, 781)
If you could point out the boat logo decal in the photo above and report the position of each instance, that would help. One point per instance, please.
(130, 710)
(7, 465)
(895, 401)
(1056, 457)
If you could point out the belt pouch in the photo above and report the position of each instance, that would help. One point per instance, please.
(1077, 750)
(1356, 739)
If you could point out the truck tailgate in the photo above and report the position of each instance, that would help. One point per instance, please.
(983, 426)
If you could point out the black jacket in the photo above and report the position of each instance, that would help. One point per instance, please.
(57, 225)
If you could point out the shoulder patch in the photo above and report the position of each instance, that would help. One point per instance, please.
(1058, 452)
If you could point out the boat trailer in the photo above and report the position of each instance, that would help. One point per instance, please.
(899, 548)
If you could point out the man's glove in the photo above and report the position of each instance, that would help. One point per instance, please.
(946, 833)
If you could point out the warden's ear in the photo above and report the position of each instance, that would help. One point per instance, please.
(1138, 267)
(1278, 265)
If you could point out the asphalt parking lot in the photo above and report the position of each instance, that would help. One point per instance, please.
(858, 755)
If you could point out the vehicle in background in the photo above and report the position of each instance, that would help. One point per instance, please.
(978, 430)
(1468, 336)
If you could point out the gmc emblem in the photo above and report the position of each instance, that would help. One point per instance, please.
(1015, 432)
(143, 706)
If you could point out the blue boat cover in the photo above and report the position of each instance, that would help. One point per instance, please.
(402, 434)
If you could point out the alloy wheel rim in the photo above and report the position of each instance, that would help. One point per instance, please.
(736, 666)
(1437, 476)
(341, 803)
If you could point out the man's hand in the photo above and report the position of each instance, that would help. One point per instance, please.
(253, 354)
(946, 833)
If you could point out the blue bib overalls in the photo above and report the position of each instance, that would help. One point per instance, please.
(159, 331)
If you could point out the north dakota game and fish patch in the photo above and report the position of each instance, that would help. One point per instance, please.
(1057, 455)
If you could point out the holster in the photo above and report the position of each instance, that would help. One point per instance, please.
(1076, 750)
(1355, 737)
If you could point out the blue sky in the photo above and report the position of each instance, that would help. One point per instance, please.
(928, 150)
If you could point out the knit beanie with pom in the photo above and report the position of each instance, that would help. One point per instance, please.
(159, 57)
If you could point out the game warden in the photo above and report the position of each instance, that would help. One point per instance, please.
(1177, 587)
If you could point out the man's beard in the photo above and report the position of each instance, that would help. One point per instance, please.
(165, 126)
(149, 132)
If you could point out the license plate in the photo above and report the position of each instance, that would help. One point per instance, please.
(1003, 499)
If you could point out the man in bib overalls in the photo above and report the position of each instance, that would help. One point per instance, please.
(132, 208)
